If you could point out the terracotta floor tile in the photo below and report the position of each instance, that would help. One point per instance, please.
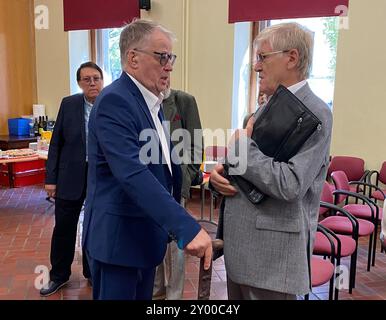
(26, 222)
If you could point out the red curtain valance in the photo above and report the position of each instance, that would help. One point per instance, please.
(259, 10)
(98, 14)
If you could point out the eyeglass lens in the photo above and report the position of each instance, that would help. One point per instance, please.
(165, 57)
(89, 79)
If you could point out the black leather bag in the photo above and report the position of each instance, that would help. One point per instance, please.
(280, 131)
(198, 179)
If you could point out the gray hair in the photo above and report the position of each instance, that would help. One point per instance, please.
(136, 33)
(287, 36)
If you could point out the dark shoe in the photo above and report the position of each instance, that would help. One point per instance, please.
(52, 288)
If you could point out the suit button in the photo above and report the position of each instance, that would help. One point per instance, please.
(172, 236)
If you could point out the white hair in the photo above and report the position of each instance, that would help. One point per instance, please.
(287, 36)
(136, 33)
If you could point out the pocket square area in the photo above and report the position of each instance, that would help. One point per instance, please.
(177, 117)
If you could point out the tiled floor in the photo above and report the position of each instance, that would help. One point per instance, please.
(26, 223)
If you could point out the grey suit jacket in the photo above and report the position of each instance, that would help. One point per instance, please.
(265, 246)
(180, 108)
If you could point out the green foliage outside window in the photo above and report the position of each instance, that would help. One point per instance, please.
(331, 31)
(114, 53)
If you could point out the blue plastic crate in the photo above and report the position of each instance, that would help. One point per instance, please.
(18, 127)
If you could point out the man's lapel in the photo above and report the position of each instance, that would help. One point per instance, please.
(138, 95)
(169, 107)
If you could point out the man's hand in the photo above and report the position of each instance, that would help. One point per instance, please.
(221, 184)
(51, 190)
(201, 246)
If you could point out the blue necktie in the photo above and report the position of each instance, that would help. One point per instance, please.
(161, 116)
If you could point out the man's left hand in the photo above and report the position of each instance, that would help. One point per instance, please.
(221, 184)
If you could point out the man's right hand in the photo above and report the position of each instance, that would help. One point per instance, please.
(221, 184)
(51, 190)
(201, 246)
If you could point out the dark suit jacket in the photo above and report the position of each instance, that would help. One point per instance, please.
(180, 108)
(130, 213)
(66, 164)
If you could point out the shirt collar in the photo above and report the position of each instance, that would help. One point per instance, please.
(88, 103)
(295, 87)
(153, 102)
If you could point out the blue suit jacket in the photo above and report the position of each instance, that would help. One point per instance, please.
(130, 214)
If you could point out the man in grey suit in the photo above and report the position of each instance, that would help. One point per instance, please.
(267, 247)
(180, 109)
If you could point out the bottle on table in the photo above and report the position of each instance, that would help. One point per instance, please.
(36, 127)
(40, 125)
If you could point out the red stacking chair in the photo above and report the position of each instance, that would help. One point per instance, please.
(368, 210)
(326, 244)
(353, 167)
(344, 224)
(322, 271)
(345, 246)
(378, 194)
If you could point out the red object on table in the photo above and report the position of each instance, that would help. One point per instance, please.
(21, 174)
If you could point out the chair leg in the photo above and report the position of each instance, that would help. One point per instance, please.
(375, 242)
(369, 252)
(307, 297)
(331, 287)
(353, 269)
(336, 293)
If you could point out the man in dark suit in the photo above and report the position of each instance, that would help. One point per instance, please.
(132, 205)
(66, 174)
(180, 109)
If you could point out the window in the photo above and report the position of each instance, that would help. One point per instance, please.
(241, 73)
(108, 54)
(322, 77)
(79, 53)
(246, 83)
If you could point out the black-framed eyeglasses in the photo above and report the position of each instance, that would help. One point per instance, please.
(260, 57)
(88, 80)
(164, 57)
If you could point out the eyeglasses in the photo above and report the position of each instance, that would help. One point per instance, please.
(260, 57)
(88, 80)
(164, 57)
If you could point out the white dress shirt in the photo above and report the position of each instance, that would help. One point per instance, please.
(87, 109)
(154, 104)
(294, 88)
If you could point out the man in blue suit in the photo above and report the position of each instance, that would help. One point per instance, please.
(132, 206)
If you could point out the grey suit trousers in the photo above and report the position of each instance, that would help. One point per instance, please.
(243, 292)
